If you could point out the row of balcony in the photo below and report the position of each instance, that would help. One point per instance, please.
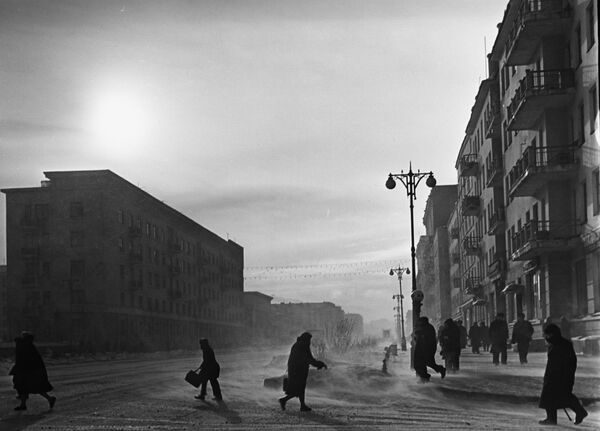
(535, 20)
(538, 91)
(538, 237)
(540, 165)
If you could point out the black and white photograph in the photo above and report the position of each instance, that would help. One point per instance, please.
(325, 215)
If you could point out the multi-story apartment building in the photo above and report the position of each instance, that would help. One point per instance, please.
(99, 263)
(529, 182)
(4, 334)
(433, 255)
(259, 322)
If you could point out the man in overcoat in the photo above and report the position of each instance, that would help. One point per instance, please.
(557, 390)
(498, 338)
(521, 336)
(297, 371)
(449, 338)
(209, 371)
(425, 347)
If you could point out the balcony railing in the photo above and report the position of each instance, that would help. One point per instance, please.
(492, 122)
(496, 221)
(472, 245)
(535, 19)
(457, 283)
(472, 284)
(538, 166)
(494, 172)
(471, 205)
(496, 268)
(538, 91)
(455, 257)
(539, 237)
(469, 165)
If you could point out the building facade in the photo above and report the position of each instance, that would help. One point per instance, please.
(319, 318)
(98, 263)
(258, 317)
(528, 169)
(433, 255)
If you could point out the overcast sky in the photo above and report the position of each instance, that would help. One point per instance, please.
(270, 122)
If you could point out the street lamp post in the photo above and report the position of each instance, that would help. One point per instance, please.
(411, 180)
(399, 271)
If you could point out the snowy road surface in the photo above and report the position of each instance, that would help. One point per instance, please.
(150, 394)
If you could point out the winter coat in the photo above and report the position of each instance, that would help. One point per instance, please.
(425, 340)
(209, 369)
(29, 372)
(475, 335)
(498, 334)
(522, 332)
(297, 367)
(449, 338)
(463, 336)
(560, 374)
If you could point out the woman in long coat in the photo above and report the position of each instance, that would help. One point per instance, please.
(559, 378)
(449, 338)
(29, 372)
(297, 369)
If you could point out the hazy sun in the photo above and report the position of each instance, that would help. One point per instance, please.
(118, 121)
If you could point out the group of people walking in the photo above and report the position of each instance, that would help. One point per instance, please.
(30, 375)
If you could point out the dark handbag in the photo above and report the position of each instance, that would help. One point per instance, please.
(193, 378)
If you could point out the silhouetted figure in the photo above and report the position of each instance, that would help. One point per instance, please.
(498, 337)
(565, 327)
(29, 372)
(209, 371)
(297, 371)
(425, 347)
(475, 337)
(557, 390)
(521, 336)
(386, 357)
(463, 334)
(450, 342)
(485, 336)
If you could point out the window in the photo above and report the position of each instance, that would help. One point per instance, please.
(76, 209)
(589, 21)
(596, 191)
(593, 109)
(577, 48)
(583, 200)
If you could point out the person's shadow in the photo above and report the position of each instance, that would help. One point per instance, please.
(221, 409)
(20, 421)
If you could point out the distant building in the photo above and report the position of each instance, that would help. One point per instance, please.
(99, 263)
(433, 277)
(4, 333)
(259, 323)
(292, 319)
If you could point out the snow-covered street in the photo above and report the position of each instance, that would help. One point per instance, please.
(149, 393)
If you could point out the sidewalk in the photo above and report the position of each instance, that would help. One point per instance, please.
(515, 382)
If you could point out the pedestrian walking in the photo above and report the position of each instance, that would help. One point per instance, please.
(450, 345)
(485, 336)
(29, 372)
(425, 347)
(475, 337)
(559, 377)
(521, 336)
(463, 334)
(498, 337)
(297, 371)
(209, 372)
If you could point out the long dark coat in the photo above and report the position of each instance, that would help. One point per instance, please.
(498, 334)
(559, 377)
(297, 367)
(29, 372)
(522, 332)
(425, 340)
(210, 368)
(449, 338)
